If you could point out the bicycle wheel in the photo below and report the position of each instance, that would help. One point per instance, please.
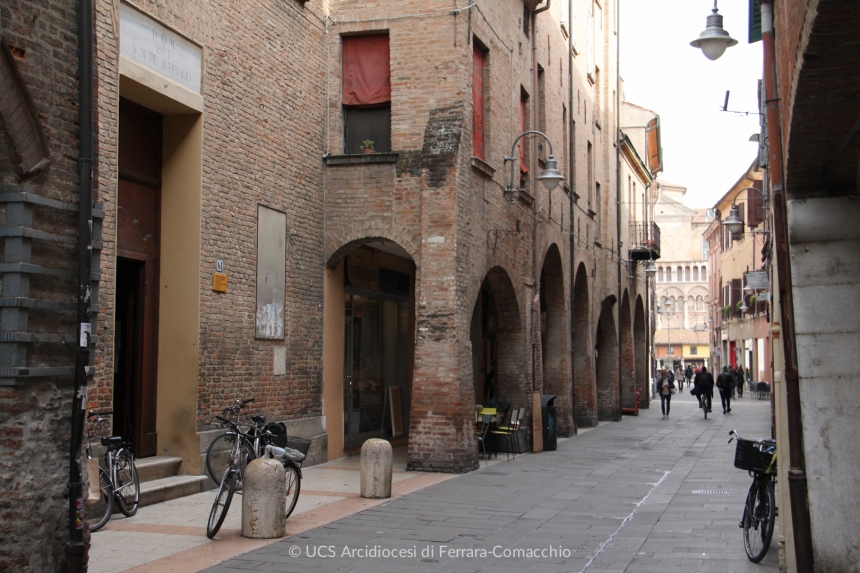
(294, 486)
(222, 502)
(99, 511)
(127, 483)
(758, 518)
(218, 456)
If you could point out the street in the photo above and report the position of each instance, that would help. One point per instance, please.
(642, 495)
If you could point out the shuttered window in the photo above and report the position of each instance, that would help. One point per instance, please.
(366, 96)
(479, 70)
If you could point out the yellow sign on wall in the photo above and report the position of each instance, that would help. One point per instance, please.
(219, 282)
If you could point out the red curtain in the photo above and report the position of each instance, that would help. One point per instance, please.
(366, 71)
(478, 64)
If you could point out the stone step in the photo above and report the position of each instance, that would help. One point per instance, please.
(156, 467)
(163, 489)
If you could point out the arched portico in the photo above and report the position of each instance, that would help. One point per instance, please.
(368, 343)
(554, 339)
(640, 349)
(584, 391)
(628, 363)
(606, 357)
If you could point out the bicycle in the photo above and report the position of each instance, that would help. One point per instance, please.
(241, 454)
(705, 403)
(118, 480)
(758, 457)
(263, 433)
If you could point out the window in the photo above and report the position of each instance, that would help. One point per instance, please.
(679, 275)
(527, 15)
(694, 351)
(660, 274)
(695, 274)
(704, 249)
(590, 159)
(524, 123)
(366, 92)
(541, 113)
(687, 274)
(479, 77)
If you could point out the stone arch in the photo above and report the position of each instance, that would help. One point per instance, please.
(554, 346)
(660, 274)
(640, 348)
(695, 273)
(369, 329)
(628, 362)
(499, 343)
(374, 239)
(687, 274)
(584, 391)
(606, 358)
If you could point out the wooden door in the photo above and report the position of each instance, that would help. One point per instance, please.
(138, 237)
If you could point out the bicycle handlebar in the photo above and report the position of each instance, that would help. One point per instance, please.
(93, 413)
(263, 431)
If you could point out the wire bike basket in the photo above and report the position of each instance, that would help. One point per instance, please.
(749, 457)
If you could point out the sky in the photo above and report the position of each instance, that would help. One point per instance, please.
(704, 149)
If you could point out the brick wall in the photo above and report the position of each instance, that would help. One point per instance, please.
(263, 133)
(35, 417)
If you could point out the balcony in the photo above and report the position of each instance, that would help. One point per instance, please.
(646, 242)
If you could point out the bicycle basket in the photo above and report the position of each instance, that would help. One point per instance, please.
(300, 444)
(279, 429)
(749, 457)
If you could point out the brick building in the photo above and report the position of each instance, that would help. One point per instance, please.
(421, 235)
(38, 201)
(210, 137)
(809, 182)
(312, 205)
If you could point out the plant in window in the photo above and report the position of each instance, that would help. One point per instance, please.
(366, 146)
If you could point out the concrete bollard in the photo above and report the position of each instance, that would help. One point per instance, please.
(376, 462)
(264, 490)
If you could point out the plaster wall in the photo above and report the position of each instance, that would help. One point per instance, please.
(826, 278)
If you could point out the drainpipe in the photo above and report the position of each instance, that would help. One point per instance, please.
(76, 549)
(797, 483)
(618, 193)
(571, 146)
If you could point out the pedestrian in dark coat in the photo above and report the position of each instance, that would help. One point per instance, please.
(688, 373)
(703, 388)
(739, 380)
(725, 383)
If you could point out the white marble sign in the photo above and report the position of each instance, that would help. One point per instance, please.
(145, 41)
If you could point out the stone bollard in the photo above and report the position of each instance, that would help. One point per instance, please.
(264, 490)
(376, 461)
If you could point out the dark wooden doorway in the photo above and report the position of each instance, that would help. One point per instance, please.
(138, 238)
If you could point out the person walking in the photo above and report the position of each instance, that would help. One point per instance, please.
(679, 378)
(665, 387)
(740, 379)
(703, 388)
(725, 383)
(688, 373)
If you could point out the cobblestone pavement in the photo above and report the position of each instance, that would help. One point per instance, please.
(642, 495)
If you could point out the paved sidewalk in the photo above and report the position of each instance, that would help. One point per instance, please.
(622, 497)
(171, 536)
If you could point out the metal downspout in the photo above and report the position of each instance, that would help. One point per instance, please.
(76, 549)
(618, 192)
(571, 147)
(797, 483)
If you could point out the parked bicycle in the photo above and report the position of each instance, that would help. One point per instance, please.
(118, 481)
(242, 453)
(758, 457)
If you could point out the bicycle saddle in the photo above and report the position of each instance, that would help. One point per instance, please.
(112, 441)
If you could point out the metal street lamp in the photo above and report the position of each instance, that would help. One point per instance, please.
(550, 176)
(714, 40)
(733, 222)
(650, 269)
